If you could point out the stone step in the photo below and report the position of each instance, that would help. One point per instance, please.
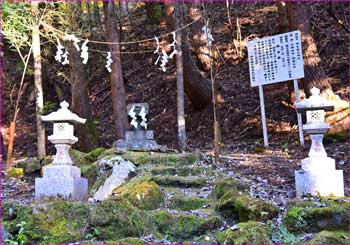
(180, 181)
(181, 202)
(173, 171)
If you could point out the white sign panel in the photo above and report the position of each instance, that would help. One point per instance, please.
(275, 59)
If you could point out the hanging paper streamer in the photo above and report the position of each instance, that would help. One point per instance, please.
(132, 114)
(207, 34)
(164, 60)
(143, 117)
(72, 37)
(109, 62)
(65, 56)
(174, 40)
(173, 45)
(158, 45)
(84, 52)
(59, 51)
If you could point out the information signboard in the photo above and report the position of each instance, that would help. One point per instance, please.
(275, 59)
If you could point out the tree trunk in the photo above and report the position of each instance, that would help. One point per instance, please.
(181, 123)
(116, 76)
(298, 18)
(154, 12)
(97, 16)
(197, 88)
(282, 27)
(87, 134)
(39, 102)
(202, 51)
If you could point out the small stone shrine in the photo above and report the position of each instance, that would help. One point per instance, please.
(318, 176)
(138, 138)
(61, 179)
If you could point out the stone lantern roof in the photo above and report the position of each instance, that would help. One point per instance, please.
(63, 115)
(315, 102)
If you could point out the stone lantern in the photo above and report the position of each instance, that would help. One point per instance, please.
(61, 179)
(318, 176)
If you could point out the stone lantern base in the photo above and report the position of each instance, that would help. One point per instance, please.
(62, 181)
(318, 177)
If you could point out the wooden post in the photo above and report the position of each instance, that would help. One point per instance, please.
(39, 98)
(10, 146)
(180, 80)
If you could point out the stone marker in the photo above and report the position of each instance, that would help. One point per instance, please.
(138, 138)
(318, 175)
(61, 179)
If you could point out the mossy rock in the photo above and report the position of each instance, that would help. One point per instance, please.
(16, 173)
(34, 164)
(81, 158)
(331, 237)
(169, 170)
(145, 195)
(306, 216)
(141, 158)
(183, 226)
(235, 205)
(54, 222)
(224, 185)
(249, 208)
(117, 218)
(184, 182)
(128, 240)
(250, 232)
(187, 203)
(93, 155)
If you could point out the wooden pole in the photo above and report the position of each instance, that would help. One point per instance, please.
(10, 146)
(180, 80)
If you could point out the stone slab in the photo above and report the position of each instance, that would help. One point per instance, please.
(61, 171)
(139, 135)
(67, 188)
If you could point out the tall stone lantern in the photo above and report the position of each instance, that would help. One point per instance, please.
(318, 176)
(61, 179)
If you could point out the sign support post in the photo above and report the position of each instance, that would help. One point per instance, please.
(300, 124)
(263, 116)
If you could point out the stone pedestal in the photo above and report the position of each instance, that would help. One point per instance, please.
(318, 177)
(138, 140)
(61, 181)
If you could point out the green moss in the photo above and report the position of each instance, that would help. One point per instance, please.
(169, 170)
(144, 195)
(117, 218)
(77, 157)
(93, 155)
(250, 232)
(175, 181)
(305, 216)
(56, 222)
(331, 237)
(34, 164)
(223, 185)
(187, 203)
(235, 205)
(249, 208)
(16, 172)
(184, 226)
(129, 240)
